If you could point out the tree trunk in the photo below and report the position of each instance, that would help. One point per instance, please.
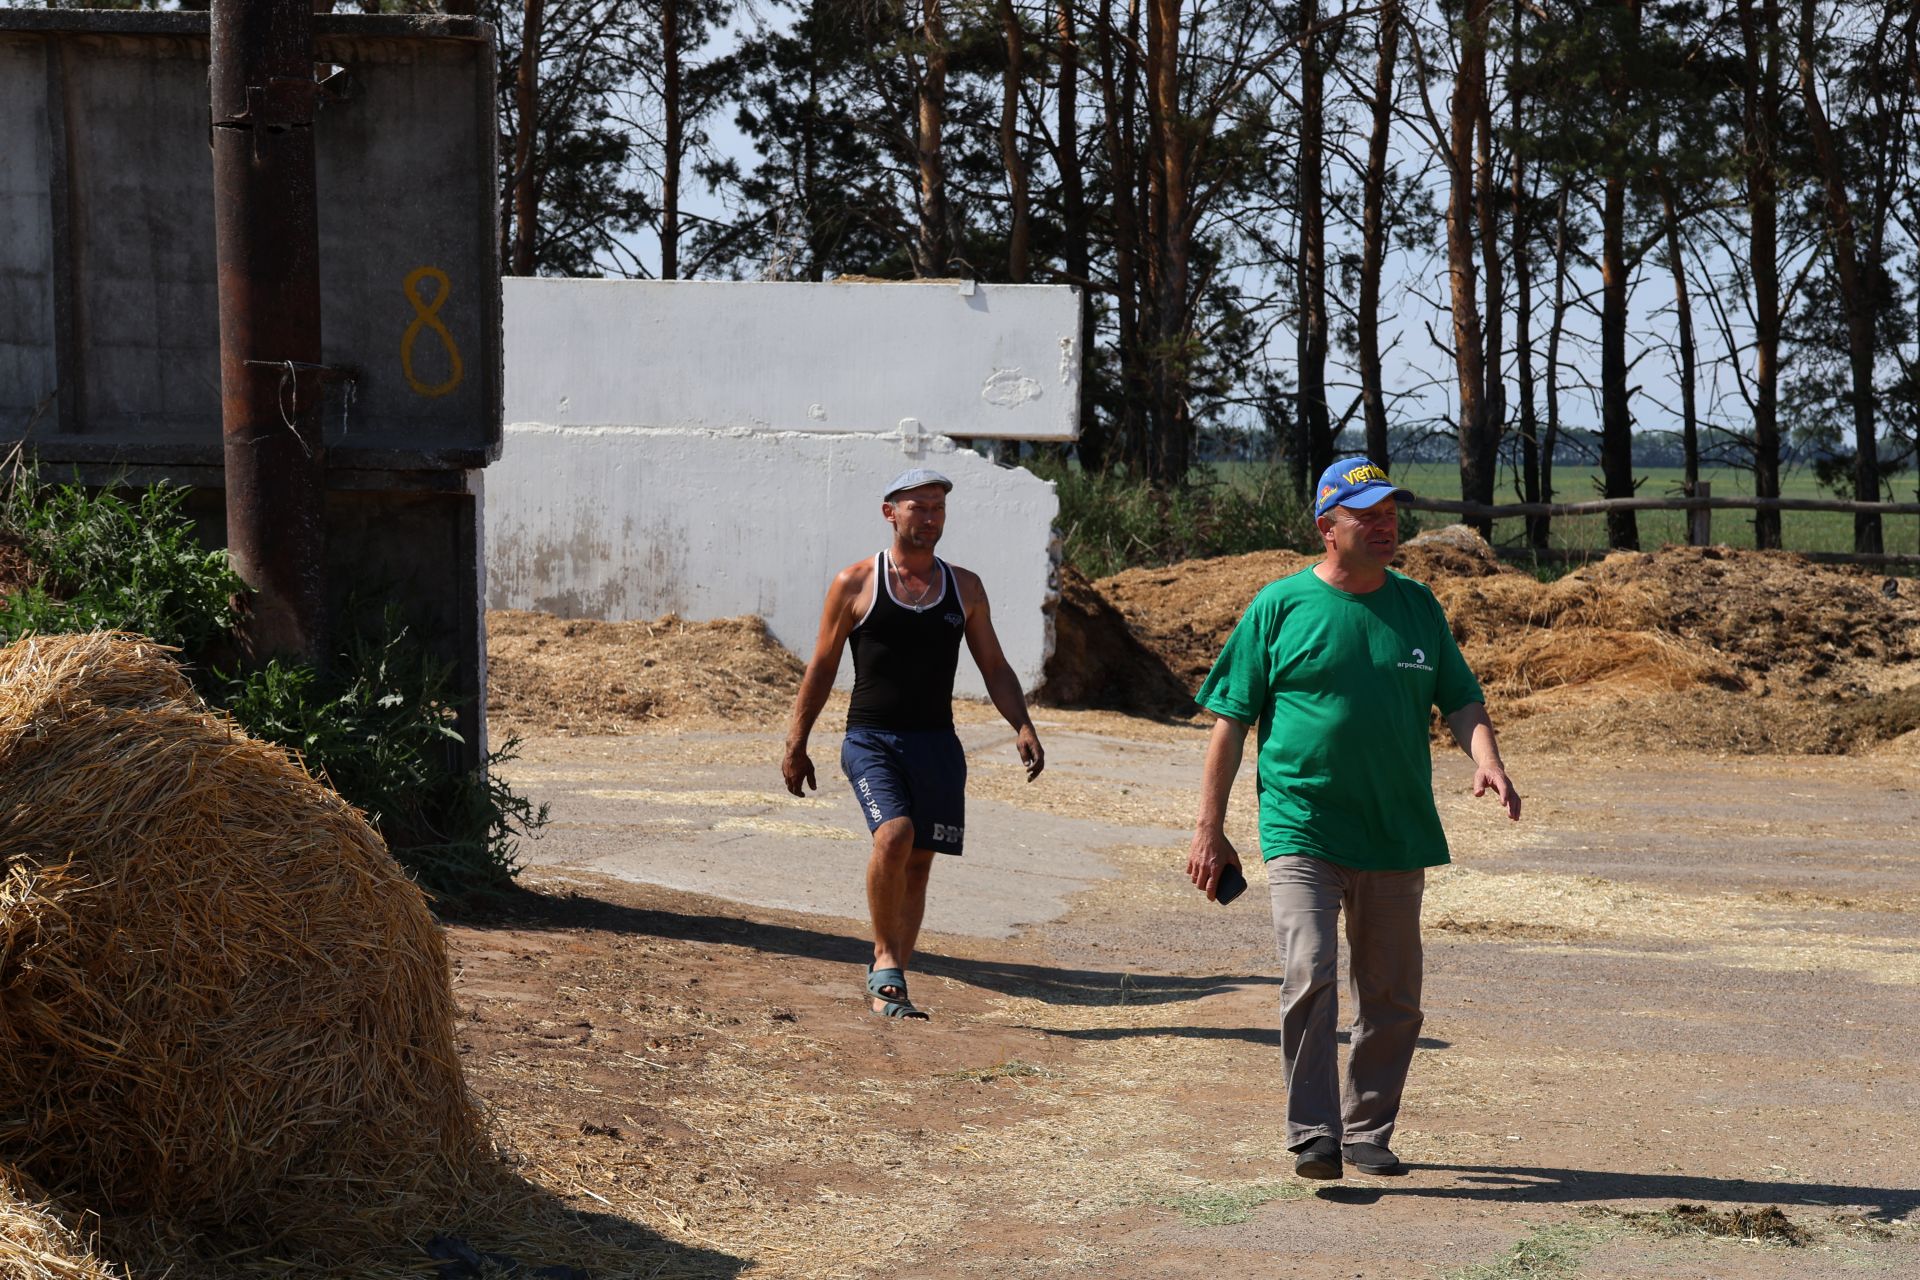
(1373, 237)
(1551, 439)
(1853, 293)
(1019, 236)
(1616, 414)
(673, 146)
(1470, 87)
(1616, 409)
(1075, 251)
(1487, 214)
(1171, 454)
(933, 248)
(1315, 420)
(1119, 84)
(1760, 111)
(810, 176)
(526, 106)
(1683, 318)
(1523, 305)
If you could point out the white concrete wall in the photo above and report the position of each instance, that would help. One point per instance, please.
(995, 361)
(634, 522)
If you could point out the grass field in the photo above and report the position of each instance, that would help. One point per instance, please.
(1800, 530)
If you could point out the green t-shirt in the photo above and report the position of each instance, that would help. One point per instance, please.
(1340, 685)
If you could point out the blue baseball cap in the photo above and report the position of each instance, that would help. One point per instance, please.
(1356, 483)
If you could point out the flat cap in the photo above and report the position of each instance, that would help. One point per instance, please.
(914, 478)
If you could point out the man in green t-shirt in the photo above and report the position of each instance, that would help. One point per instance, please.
(1338, 665)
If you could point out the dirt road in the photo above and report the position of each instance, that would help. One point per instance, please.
(1679, 982)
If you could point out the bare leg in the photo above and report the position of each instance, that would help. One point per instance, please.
(896, 895)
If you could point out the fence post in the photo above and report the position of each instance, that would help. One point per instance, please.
(1700, 519)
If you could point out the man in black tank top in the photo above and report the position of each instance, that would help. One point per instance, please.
(905, 612)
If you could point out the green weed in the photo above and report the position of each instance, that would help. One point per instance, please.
(1230, 1206)
(107, 562)
(378, 727)
(1549, 1252)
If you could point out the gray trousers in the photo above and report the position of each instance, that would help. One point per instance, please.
(1384, 963)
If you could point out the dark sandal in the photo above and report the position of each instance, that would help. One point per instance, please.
(877, 979)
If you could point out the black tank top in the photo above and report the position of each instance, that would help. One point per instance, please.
(904, 656)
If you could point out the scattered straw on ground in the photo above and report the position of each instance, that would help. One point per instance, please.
(558, 675)
(1768, 933)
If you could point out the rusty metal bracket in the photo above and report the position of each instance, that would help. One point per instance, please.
(282, 103)
(293, 371)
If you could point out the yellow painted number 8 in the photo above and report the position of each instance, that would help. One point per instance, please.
(427, 316)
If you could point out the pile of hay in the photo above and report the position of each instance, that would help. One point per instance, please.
(1694, 647)
(1098, 662)
(578, 675)
(224, 1008)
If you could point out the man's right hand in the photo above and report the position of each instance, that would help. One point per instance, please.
(797, 769)
(1210, 854)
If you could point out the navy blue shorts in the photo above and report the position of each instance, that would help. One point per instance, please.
(919, 774)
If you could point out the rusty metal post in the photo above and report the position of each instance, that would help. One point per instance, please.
(268, 251)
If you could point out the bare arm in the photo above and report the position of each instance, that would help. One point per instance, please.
(1474, 732)
(1211, 851)
(836, 623)
(1003, 686)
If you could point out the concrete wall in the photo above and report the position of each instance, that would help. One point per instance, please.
(632, 522)
(109, 324)
(992, 361)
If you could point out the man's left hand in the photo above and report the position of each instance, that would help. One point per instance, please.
(1030, 753)
(1493, 778)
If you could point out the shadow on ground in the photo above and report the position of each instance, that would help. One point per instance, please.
(1269, 1036)
(1520, 1184)
(1051, 985)
(501, 1224)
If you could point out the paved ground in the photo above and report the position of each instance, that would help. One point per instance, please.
(730, 829)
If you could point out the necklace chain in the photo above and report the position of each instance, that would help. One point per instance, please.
(919, 603)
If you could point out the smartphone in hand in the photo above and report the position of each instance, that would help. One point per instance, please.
(1232, 884)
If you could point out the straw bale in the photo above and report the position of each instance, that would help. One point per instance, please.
(37, 1240)
(222, 1003)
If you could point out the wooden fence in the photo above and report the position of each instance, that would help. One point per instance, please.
(1702, 505)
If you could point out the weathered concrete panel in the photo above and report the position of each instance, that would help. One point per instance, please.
(624, 522)
(26, 240)
(117, 203)
(141, 177)
(988, 361)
